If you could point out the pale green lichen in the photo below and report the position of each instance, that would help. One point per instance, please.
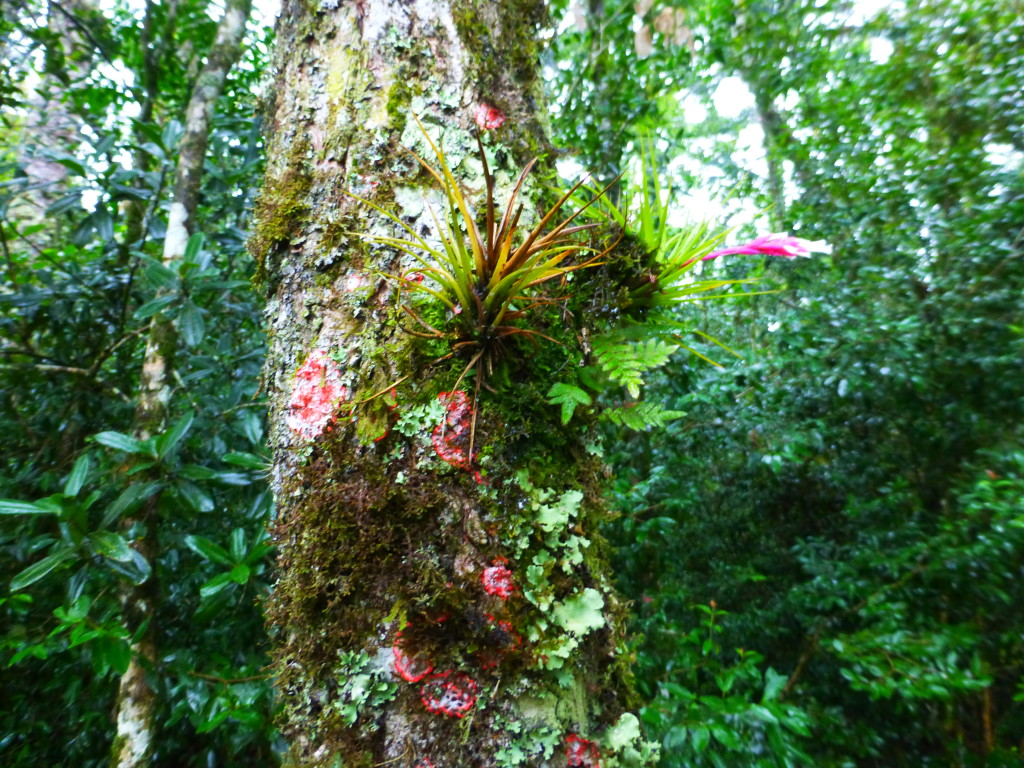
(580, 613)
(527, 745)
(624, 745)
(363, 686)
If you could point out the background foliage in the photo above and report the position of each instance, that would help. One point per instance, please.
(94, 107)
(825, 552)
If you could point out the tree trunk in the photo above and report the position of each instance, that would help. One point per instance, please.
(429, 608)
(136, 700)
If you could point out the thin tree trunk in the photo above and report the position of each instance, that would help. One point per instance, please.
(149, 75)
(51, 123)
(136, 701)
(396, 556)
(772, 126)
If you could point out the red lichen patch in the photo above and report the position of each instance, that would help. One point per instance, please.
(504, 635)
(497, 579)
(581, 753)
(489, 658)
(488, 118)
(449, 693)
(316, 396)
(451, 436)
(423, 762)
(410, 667)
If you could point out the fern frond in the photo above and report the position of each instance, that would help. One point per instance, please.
(640, 416)
(625, 362)
(569, 397)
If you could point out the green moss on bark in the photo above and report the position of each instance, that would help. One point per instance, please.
(281, 210)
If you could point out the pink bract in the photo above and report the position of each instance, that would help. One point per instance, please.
(776, 244)
(316, 396)
(488, 118)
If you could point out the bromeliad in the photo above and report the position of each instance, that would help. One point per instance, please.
(486, 278)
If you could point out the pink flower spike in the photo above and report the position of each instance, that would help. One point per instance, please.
(488, 118)
(776, 244)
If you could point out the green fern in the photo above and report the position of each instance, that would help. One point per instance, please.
(569, 397)
(625, 362)
(640, 416)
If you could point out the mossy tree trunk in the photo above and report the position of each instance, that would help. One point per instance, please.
(490, 574)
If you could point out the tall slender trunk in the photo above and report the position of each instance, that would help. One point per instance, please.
(772, 125)
(153, 52)
(52, 124)
(428, 610)
(136, 701)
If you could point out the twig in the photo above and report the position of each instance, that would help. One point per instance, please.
(394, 759)
(229, 680)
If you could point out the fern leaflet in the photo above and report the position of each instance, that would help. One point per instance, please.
(640, 416)
(568, 397)
(625, 362)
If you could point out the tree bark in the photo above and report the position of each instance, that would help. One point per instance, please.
(136, 699)
(492, 573)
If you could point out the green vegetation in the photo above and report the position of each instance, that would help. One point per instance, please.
(820, 527)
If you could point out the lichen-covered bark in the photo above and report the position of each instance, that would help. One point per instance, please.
(428, 610)
(136, 700)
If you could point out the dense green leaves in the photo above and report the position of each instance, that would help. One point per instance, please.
(825, 491)
(85, 176)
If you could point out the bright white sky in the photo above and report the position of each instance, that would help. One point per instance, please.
(266, 11)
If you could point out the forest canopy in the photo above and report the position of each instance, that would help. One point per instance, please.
(817, 477)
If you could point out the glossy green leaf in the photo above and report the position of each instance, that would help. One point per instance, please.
(79, 474)
(112, 545)
(121, 442)
(14, 507)
(191, 324)
(208, 549)
(41, 568)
